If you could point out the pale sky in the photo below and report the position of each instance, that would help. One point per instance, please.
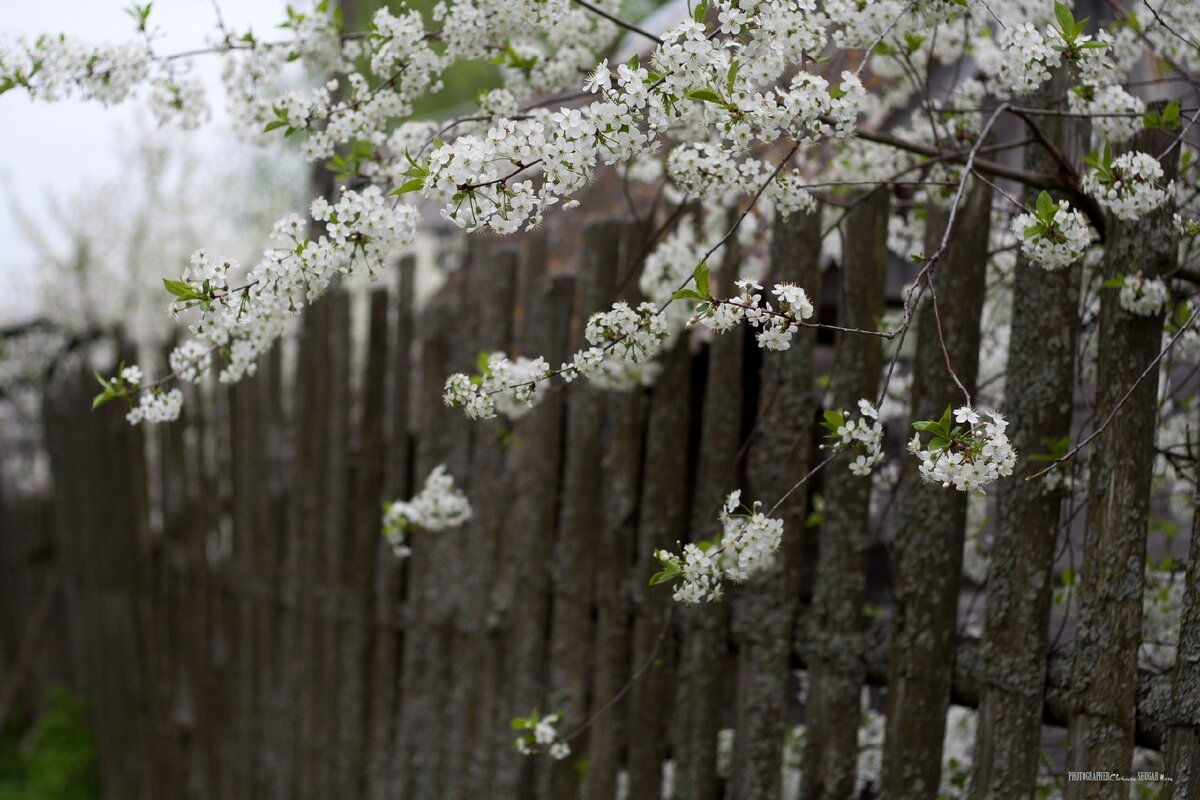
(51, 148)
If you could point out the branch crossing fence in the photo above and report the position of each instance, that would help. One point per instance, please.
(220, 591)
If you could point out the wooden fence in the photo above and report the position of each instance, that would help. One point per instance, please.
(220, 591)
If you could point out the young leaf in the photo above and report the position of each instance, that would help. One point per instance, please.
(180, 290)
(700, 275)
(1066, 20)
(944, 423)
(416, 184)
(1046, 206)
(688, 294)
(1170, 114)
(706, 95)
(834, 417)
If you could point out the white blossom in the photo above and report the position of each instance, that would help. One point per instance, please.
(967, 458)
(1142, 296)
(438, 506)
(1130, 186)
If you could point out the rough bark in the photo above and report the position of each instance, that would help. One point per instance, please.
(1154, 710)
(621, 466)
(98, 466)
(1182, 744)
(836, 674)
(704, 628)
(383, 709)
(928, 547)
(662, 521)
(580, 518)
(1041, 374)
(423, 735)
(357, 698)
(521, 594)
(1121, 467)
(765, 611)
(492, 298)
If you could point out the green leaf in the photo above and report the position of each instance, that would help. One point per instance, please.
(944, 423)
(1170, 114)
(882, 48)
(688, 294)
(1046, 205)
(925, 426)
(180, 290)
(109, 393)
(1066, 20)
(912, 42)
(700, 275)
(834, 418)
(1114, 283)
(706, 95)
(937, 443)
(662, 576)
(701, 11)
(416, 184)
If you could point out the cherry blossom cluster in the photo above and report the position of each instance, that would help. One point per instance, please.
(155, 405)
(438, 506)
(540, 735)
(60, 67)
(775, 326)
(1029, 57)
(1116, 114)
(1130, 185)
(624, 341)
(1053, 235)
(669, 266)
(190, 361)
(1142, 296)
(968, 455)
(502, 386)
(406, 67)
(864, 434)
(360, 231)
(749, 541)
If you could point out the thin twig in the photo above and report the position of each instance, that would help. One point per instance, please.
(1120, 403)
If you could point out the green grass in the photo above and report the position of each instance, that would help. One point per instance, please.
(54, 758)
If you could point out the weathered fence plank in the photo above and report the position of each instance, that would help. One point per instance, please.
(662, 521)
(765, 612)
(580, 517)
(835, 679)
(1182, 745)
(928, 546)
(1041, 368)
(521, 594)
(1120, 471)
(704, 629)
